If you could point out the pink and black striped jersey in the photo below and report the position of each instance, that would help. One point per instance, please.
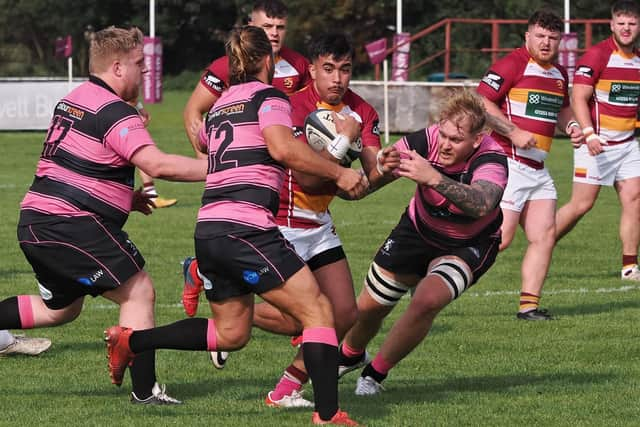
(615, 78)
(85, 167)
(531, 96)
(291, 73)
(243, 181)
(302, 209)
(438, 220)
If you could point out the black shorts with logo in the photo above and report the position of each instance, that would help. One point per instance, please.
(405, 252)
(76, 256)
(245, 261)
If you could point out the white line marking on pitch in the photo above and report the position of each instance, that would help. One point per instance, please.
(628, 288)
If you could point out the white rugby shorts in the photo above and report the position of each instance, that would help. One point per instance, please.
(526, 183)
(309, 242)
(616, 163)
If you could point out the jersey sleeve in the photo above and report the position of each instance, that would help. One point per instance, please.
(216, 77)
(125, 133)
(589, 67)
(275, 109)
(491, 172)
(370, 132)
(498, 80)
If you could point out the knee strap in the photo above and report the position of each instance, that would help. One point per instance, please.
(383, 289)
(455, 274)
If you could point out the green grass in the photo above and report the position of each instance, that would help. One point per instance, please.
(479, 366)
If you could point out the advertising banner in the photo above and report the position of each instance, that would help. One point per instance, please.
(152, 80)
(400, 59)
(376, 50)
(569, 53)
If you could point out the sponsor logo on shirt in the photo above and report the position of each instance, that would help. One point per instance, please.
(213, 82)
(73, 112)
(493, 80)
(228, 111)
(584, 71)
(624, 93)
(543, 105)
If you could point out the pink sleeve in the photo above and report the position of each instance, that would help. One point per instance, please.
(274, 111)
(491, 172)
(127, 136)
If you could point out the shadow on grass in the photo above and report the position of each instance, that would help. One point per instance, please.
(596, 308)
(417, 391)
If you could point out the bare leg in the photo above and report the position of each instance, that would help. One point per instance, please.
(583, 196)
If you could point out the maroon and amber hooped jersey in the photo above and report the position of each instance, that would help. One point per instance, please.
(301, 209)
(291, 73)
(615, 77)
(531, 96)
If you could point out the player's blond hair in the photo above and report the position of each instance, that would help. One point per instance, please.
(109, 43)
(247, 48)
(463, 103)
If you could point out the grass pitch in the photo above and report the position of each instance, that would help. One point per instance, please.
(479, 366)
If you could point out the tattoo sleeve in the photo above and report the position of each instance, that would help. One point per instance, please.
(503, 127)
(475, 200)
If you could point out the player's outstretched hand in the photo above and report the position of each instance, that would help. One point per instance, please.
(142, 202)
(353, 183)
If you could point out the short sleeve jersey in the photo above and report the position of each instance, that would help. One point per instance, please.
(615, 77)
(531, 96)
(85, 167)
(291, 73)
(437, 219)
(243, 180)
(301, 209)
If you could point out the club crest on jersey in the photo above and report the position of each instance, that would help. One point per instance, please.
(493, 80)
(288, 82)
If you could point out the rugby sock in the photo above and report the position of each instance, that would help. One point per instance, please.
(149, 188)
(380, 365)
(369, 371)
(10, 314)
(348, 355)
(320, 351)
(291, 380)
(528, 302)
(143, 373)
(187, 334)
(628, 261)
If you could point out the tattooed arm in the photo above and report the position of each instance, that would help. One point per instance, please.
(475, 200)
(497, 121)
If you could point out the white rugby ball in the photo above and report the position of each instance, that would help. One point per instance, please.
(320, 130)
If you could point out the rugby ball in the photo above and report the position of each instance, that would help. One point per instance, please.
(320, 130)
